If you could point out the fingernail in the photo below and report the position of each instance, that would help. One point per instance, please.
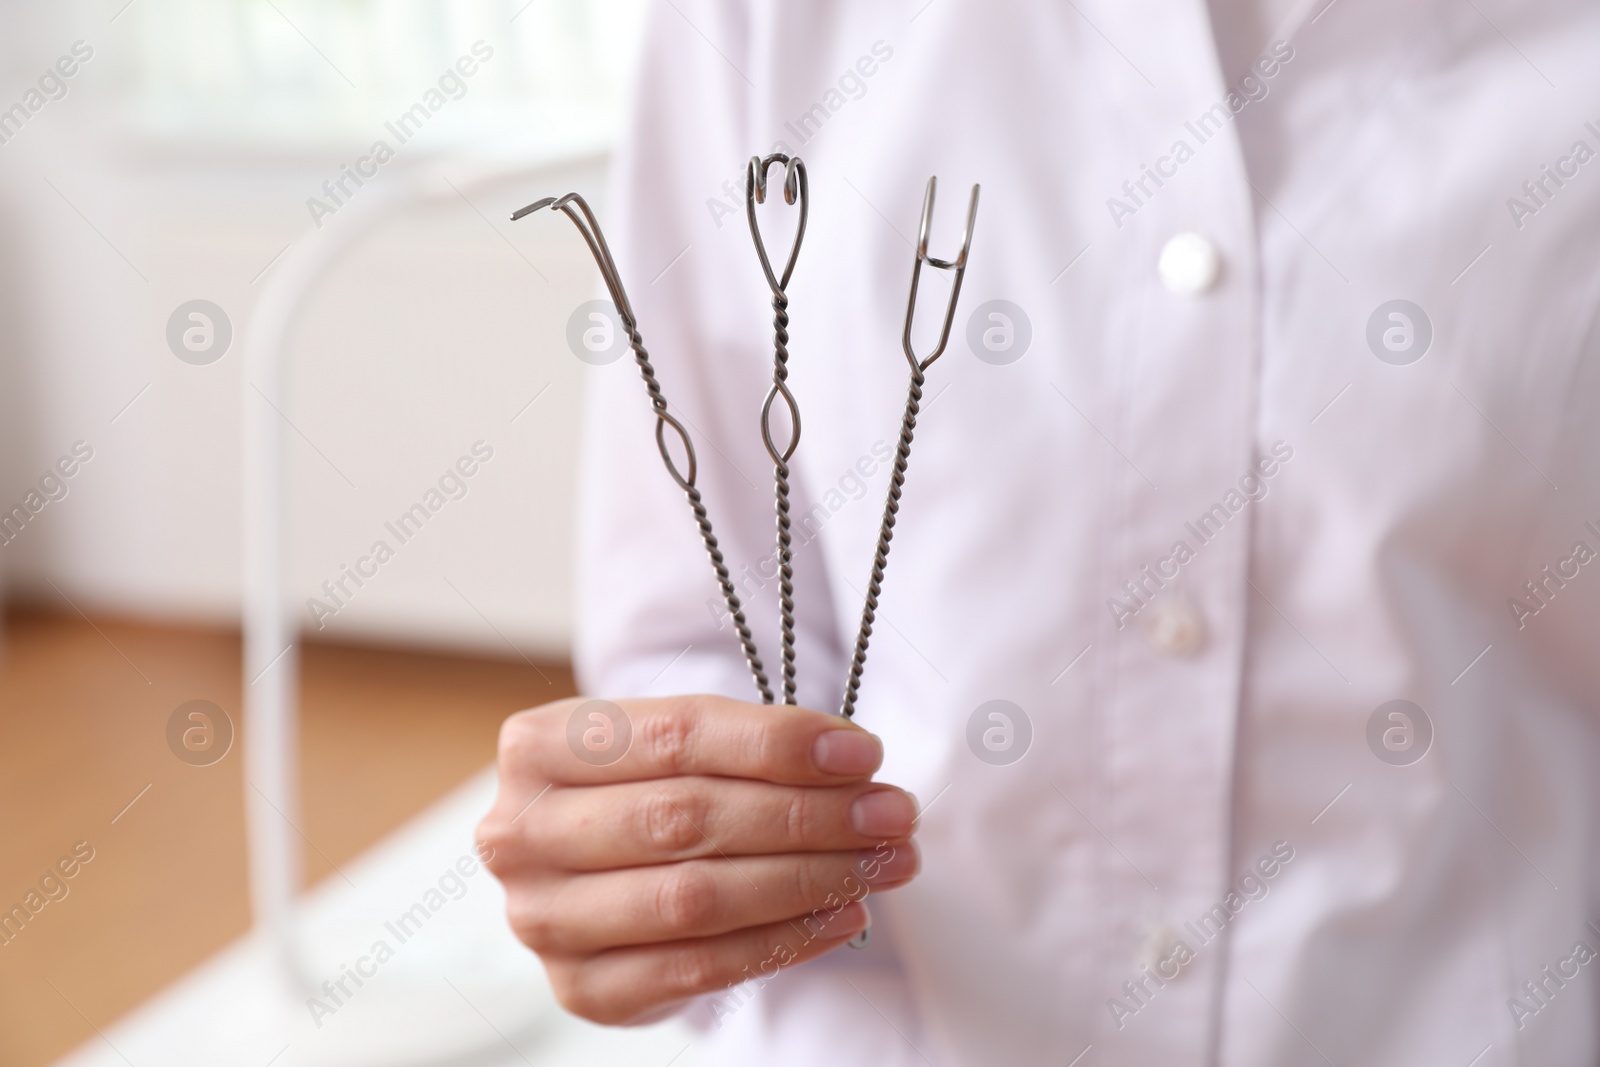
(886, 813)
(888, 863)
(847, 752)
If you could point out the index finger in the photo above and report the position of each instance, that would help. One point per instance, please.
(583, 742)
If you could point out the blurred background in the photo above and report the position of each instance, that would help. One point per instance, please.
(163, 165)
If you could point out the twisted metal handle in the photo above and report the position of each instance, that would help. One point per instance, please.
(796, 189)
(780, 478)
(908, 424)
(880, 558)
(589, 227)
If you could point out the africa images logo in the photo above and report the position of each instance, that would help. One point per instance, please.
(599, 732)
(1399, 733)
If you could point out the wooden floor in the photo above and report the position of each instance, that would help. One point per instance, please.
(83, 716)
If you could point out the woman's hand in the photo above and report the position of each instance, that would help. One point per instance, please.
(713, 842)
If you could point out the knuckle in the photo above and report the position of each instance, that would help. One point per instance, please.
(686, 898)
(799, 816)
(519, 736)
(576, 993)
(506, 843)
(691, 970)
(811, 884)
(583, 993)
(667, 735)
(496, 838)
(667, 823)
(771, 746)
(532, 920)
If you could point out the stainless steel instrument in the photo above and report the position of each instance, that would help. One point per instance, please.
(796, 192)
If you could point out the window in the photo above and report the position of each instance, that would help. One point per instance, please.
(545, 74)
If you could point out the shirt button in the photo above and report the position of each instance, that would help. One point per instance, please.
(1175, 627)
(1189, 264)
(1156, 951)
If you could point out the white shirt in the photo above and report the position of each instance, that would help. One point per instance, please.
(1361, 491)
